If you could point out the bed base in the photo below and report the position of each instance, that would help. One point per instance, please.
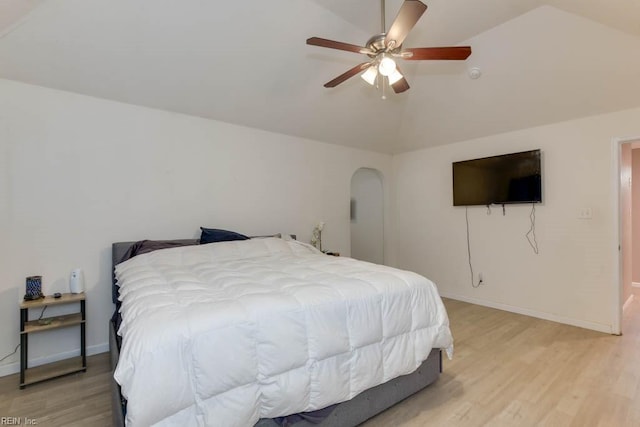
(118, 403)
(346, 414)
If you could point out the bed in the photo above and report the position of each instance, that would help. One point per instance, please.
(305, 335)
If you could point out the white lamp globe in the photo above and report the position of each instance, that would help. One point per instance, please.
(387, 66)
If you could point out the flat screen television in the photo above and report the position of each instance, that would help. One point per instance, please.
(509, 178)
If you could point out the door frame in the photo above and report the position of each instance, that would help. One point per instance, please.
(616, 326)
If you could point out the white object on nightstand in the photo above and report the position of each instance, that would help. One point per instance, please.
(76, 282)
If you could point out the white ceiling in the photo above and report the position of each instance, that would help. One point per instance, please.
(247, 63)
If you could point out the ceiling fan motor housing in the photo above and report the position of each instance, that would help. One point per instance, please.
(378, 44)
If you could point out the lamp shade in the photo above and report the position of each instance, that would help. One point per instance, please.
(395, 76)
(370, 75)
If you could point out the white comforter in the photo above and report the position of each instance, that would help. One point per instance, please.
(227, 333)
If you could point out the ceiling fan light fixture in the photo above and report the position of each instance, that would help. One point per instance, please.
(383, 48)
(395, 76)
(370, 75)
(387, 66)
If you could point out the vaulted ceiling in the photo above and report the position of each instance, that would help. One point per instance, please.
(247, 63)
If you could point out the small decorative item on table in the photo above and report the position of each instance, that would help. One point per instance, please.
(34, 288)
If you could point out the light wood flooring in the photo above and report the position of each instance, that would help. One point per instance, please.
(75, 400)
(512, 370)
(508, 370)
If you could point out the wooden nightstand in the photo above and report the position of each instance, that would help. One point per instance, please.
(55, 369)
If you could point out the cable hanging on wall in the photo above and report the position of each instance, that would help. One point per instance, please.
(466, 215)
(15, 350)
(531, 234)
(11, 354)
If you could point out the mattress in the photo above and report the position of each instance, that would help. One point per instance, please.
(228, 333)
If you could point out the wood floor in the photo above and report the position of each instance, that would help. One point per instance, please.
(508, 370)
(513, 370)
(75, 400)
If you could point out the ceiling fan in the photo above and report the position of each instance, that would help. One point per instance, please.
(384, 47)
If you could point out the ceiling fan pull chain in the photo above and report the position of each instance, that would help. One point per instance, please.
(383, 86)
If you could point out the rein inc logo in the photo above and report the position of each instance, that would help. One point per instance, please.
(18, 421)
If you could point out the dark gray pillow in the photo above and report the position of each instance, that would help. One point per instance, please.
(212, 235)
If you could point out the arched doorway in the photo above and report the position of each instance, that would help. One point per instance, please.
(367, 216)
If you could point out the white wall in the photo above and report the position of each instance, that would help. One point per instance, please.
(572, 280)
(78, 173)
(367, 225)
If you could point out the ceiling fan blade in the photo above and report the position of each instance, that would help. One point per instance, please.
(453, 53)
(345, 76)
(317, 41)
(401, 85)
(409, 14)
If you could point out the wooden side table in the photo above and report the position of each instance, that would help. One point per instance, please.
(63, 367)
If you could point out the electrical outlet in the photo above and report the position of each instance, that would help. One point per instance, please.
(585, 213)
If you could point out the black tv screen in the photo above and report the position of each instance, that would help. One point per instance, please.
(509, 178)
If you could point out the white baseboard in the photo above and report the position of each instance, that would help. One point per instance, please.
(533, 313)
(635, 284)
(627, 303)
(14, 368)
